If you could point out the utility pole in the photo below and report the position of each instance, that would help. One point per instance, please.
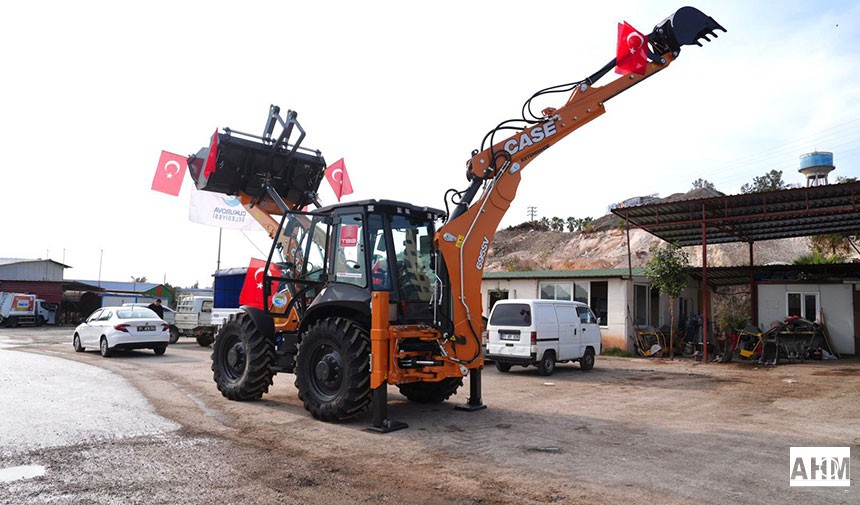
(532, 212)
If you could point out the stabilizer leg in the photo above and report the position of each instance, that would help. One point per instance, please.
(475, 402)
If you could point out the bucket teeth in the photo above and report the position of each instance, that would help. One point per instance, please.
(687, 26)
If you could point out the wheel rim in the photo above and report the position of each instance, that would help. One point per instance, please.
(589, 360)
(235, 359)
(548, 363)
(104, 346)
(327, 375)
(77, 342)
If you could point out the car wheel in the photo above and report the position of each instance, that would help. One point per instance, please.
(587, 360)
(104, 349)
(503, 367)
(159, 350)
(174, 335)
(547, 363)
(76, 342)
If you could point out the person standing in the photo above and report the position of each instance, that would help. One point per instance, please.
(157, 308)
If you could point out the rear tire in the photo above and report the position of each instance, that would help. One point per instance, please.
(587, 360)
(206, 341)
(159, 350)
(104, 349)
(242, 359)
(76, 343)
(431, 392)
(333, 369)
(546, 366)
(503, 367)
(174, 335)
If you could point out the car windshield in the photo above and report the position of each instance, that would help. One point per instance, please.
(511, 314)
(136, 313)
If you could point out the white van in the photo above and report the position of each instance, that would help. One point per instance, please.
(542, 333)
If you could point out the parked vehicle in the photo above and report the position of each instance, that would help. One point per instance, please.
(112, 328)
(19, 308)
(169, 318)
(542, 333)
(194, 318)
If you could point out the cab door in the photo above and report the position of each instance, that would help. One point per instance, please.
(590, 329)
(568, 332)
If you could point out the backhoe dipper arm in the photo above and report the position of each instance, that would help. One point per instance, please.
(464, 239)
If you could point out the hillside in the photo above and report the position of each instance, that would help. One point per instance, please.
(524, 248)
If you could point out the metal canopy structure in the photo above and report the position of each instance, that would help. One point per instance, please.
(833, 208)
(816, 210)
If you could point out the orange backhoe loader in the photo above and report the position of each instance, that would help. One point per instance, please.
(375, 293)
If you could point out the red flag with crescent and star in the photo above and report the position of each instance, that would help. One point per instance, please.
(338, 179)
(631, 55)
(252, 289)
(169, 174)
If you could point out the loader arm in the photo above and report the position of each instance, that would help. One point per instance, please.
(463, 241)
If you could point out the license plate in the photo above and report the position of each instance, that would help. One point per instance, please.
(506, 336)
(146, 328)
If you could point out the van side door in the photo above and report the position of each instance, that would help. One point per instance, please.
(590, 330)
(547, 329)
(569, 346)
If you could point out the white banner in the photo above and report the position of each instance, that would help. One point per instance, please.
(217, 209)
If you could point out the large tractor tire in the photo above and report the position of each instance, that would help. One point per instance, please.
(242, 359)
(431, 392)
(333, 369)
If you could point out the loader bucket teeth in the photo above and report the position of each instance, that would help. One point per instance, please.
(687, 26)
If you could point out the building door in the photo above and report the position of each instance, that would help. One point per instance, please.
(856, 321)
(496, 296)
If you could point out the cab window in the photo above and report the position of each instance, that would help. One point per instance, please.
(349, 260)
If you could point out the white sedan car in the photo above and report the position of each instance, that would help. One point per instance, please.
(112, 328)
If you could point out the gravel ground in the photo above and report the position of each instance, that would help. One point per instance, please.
(631, 431)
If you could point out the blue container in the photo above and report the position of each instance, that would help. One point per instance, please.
(227, 286)
(816, 159)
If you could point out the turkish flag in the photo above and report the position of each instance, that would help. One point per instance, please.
(169, 174)
(338, 179)
(631, 56)
(252, 289)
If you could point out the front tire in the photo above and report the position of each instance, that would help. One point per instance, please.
(587, 360)
(431, 392)
(242, 359)
(333, 369)
(76, 343)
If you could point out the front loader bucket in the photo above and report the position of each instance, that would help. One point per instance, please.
(687, 26)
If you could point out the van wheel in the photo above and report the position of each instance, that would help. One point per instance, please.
(503, 367)
(174, 334)
(587, 360)
(547, 363)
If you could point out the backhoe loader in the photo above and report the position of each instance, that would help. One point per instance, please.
(367, 294)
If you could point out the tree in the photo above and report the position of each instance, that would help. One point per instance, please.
(139, 279)
(667, 271)
(572, 224)
(832, 244)
(556, 224)
(703, 184)
(770, 181)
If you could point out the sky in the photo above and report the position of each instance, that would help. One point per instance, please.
(403, 91)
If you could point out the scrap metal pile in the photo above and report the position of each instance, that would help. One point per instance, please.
(793, 340)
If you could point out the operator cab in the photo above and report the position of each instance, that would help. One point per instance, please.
(339, 254)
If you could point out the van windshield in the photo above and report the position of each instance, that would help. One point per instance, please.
(511, 314)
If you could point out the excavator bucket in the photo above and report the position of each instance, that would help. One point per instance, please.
(238, 163)
(687, 26)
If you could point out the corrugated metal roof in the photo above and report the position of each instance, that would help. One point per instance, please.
(818, 210)
(124, 287)
(565, 274)
(13, 261)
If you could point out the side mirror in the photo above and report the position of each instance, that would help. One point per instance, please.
(82, 320)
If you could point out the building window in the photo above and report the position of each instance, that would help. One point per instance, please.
(803, 305)
(600, 301)
(556, 290)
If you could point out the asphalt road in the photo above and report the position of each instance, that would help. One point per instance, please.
(140, 428)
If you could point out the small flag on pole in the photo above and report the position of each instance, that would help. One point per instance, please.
(631, 55)
(338, 179)
(169, 173)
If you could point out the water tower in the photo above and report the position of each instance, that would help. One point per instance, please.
(815, 166)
